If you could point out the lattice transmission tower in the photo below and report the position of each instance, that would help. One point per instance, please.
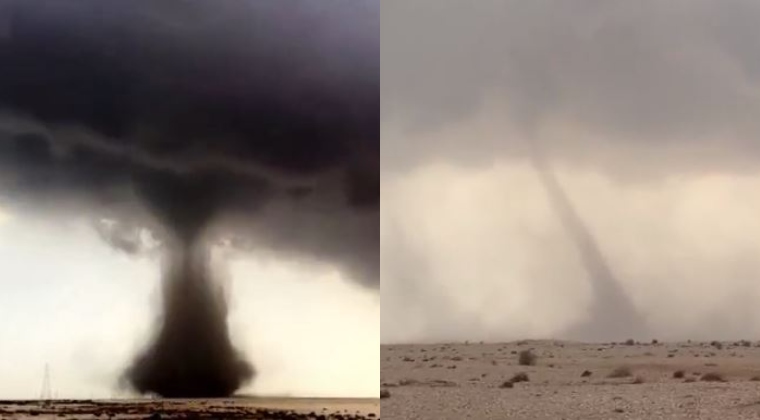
(46, 393)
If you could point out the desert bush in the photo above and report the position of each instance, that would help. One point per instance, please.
(712, 377)
(520, 377)
(629, 342)
(638, 380)
(408, 382)
(526, 358)
(717, 344)
(507, 384)
(586, 374)
(755, 379)
(620, 372)
(384, 393)
(439, 383)
(678, 374)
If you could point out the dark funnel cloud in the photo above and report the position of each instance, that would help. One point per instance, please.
(196, 120)
(192, 355)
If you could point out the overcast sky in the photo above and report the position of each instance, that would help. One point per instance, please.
(646, 113)
(78, 305)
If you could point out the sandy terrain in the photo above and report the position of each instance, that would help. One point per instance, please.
(467, 381)
(237, 408)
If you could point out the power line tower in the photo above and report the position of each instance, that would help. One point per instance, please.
(46, 393)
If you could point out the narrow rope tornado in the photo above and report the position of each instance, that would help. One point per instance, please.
(611, 313)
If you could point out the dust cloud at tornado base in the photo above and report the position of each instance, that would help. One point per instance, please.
(132, 113)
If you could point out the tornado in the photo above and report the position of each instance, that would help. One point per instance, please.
(611, 314)
(191, 354)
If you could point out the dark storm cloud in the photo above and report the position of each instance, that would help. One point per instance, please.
(631, 77)
(272, 100)
(206, 114)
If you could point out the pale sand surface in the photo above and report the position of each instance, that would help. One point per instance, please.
(233, 408)
(462, 381)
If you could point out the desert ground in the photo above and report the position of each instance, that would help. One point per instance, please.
(233, 408)
(565, 380)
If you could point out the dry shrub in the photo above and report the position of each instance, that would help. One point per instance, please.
(520, 377)
(712, 377)
(527, 358)
(408, 382)
(620, 372)
(678, 374)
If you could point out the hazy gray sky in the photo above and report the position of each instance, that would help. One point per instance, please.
(646, 112)
(73, 302)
